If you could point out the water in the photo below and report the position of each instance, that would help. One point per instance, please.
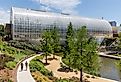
(109, 69)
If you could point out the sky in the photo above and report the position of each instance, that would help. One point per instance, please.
(110, 10)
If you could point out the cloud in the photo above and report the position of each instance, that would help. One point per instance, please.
(66, 6)
(4, 16)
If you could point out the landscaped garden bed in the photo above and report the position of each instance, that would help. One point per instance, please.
(41, 74)
(9, 57)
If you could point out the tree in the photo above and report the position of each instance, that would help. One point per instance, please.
(80, 48)
(46, 43)
(69, 33)
(69, 49)
(69, 37)
(72, 52)
(91, 59)
(1, 45)
(55, 41)
(119, 40)
(84, 56)
(2, 30)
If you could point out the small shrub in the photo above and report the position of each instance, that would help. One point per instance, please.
(76, 71)
(37, 65)
(11, 64)
(10, 80)
(93, 77)
(3, 59)
(59, 54)
(87, 76)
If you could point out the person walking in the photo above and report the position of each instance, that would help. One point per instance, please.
(26, 64)
(21, 66)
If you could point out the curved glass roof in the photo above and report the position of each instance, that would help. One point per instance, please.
(61, 19)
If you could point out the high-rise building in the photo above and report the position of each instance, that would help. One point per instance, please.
(28, 24)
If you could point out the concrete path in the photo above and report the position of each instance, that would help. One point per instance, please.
(25, 76)
(102, 54)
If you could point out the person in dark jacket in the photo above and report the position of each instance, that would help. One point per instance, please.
(21, 66)
(26, 64)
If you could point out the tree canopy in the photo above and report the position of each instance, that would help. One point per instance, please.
(81, 51)
(46, 43)
(2, 30)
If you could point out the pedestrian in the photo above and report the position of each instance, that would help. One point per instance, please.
(21, 66)
(26, 64)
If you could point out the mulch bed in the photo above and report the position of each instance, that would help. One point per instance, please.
(6, 74)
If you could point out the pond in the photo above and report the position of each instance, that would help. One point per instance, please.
(109, 69)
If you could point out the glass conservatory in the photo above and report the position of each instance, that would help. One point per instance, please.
(28, 24)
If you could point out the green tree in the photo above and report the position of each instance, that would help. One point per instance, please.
(80, 48)
(46, 43)
(91, 59)
(69, 33)
(55, 41)
(119, 41)
(1, 44)
(69, 49)
(2, 30)
(84, 56)
(119, 47)
(69, 37)
(2, 33)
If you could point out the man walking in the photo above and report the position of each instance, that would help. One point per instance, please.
(21, 66)
(26, 64)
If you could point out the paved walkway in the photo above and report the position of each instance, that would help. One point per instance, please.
(109, 56)
(25, 76)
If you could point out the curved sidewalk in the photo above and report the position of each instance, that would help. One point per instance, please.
(25, 76)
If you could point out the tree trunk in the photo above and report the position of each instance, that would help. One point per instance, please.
(69, 64)
(46, 59)
(81, 79)
(53, 56)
